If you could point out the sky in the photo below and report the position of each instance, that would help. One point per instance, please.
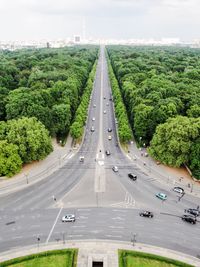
(109, 19)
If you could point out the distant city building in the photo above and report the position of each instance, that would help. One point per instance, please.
(77, 39)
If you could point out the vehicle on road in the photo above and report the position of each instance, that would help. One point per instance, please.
(92, 129)
(81, 158)
(93, 119)
(94, 105)
(69, 218)
(109, 137)
(109, 130)
(104, 97)
(132, 176)
(178, 189)
(107, 152)
(146, 213)
(161, 196)
(115, 168)
(107, 104)
(189, 218)
(194, 212)
(104, 111)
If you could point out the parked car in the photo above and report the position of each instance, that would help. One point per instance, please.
(94, 105)
(161, 196)
(109, 137)
(93, 119)
(178, 189)
(69, 218)
(146, 213)
(107, 104)
(132, 176)
(115, 168)
(92, 129)
(104, 111)
(189, 218)
(194, 212)
(109, 130)
(107, 152)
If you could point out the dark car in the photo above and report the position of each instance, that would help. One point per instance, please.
(107, 152)
(146, 213)
(132, 176)
(194, 212)
(109, 130)
(189, 218)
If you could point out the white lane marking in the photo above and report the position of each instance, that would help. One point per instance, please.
(103, 156)
(53, 225)
(117, 227)
(75, 235)
(84, 209)
(97, 155)
(118, 218)
(120, 210)
(101, 163)
(78, 226)
(70, 156)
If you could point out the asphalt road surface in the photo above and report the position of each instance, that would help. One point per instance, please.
(106, 203)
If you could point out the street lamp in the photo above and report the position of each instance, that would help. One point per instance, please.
(38, 241)
(133, 239)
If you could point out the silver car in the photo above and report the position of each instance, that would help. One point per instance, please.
(69, 218)
(115, 168)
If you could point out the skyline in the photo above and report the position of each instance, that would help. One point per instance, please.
(111, 19)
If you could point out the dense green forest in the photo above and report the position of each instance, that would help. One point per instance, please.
(160, 87)
(41, 88)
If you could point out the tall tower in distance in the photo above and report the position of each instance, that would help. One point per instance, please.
(83, 30)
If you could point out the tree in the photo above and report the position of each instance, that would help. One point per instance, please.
(172, 142)
(31, 137)
(10, 161)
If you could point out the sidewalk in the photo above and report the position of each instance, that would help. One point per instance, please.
(99, 250)
(163, 174)
(35, 171)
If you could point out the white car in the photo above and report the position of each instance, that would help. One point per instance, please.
(69, 218)
(93, 119)
(104, 111)
(94, 105)
(178, 189)
(115, 168)
(109, 137)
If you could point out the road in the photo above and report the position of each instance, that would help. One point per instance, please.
(106, 204)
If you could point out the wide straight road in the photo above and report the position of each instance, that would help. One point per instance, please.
(106, 204)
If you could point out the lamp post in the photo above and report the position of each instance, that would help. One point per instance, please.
(38, 241)
(133, 239)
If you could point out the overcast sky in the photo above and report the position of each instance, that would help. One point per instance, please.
(53, 19)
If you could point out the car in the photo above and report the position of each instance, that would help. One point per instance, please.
(109, 130)
(93, 119)
(81, 158)
(109, 137)
(107, 104)
(104, 111)
(92, 129)
(194, 212)
(146, 213)
(158, 162)
(115, 168)
(94, 105)
(107, 152)
(104, 97)
(69, 218)
(132, 176)
(178, 189)
(189, 218)
(161, 196)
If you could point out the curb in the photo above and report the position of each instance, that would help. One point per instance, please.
(101, 247)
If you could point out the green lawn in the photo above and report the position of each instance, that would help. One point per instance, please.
(61, 258)
(138, 259)
(142, 262)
